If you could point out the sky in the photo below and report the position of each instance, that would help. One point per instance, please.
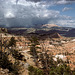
(32, 13)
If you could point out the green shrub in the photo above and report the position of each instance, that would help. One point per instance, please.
(17, 55)
(6, 64)
(35, 71)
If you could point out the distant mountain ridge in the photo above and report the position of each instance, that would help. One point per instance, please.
(44, 29)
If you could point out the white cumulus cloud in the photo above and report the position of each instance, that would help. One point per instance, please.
(66, 8)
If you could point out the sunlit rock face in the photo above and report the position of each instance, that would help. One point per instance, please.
(62, 57)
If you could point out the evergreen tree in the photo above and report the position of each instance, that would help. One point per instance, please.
(33, 48)
(12, 42)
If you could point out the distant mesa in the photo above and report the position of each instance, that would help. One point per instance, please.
(49, 25)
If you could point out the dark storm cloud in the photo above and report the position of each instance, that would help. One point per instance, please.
(17, 1)
(52, 1)
(70, 0)
(34, 0)
(29, 13)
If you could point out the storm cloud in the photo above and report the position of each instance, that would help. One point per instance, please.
(29, 13)
(34, 0)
